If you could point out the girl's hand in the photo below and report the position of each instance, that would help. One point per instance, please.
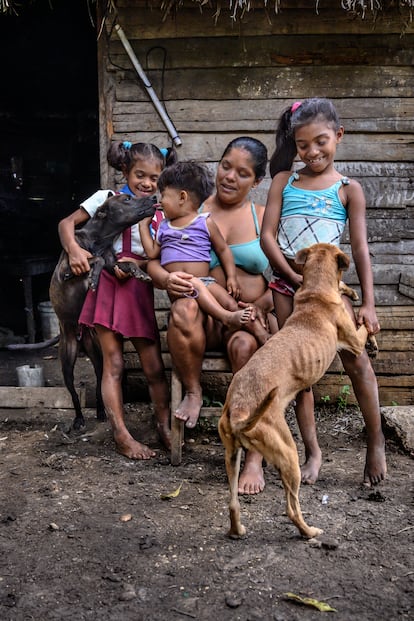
(366, 315)
(233, 288)
(78, 260)
(296, 280)
(120, 274)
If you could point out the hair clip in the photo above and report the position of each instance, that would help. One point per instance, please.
(127, 145)
(295, 106)
(164, 152)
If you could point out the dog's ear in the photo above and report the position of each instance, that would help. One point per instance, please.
(343, 260)
(301, 256)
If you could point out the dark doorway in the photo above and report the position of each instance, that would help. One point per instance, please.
(49, 145)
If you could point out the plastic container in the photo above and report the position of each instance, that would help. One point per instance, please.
(48, 320)
(30, 375)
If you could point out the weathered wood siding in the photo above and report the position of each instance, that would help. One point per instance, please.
(220, 81)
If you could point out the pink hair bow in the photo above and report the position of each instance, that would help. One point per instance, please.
(295, 106)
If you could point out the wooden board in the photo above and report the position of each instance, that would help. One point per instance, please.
(47, 397)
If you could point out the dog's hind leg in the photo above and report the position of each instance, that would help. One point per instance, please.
(68, 352)
(276, 444)
(232, 460)
(92, 349)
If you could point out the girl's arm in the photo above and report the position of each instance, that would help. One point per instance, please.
(226, 258)
(78, 257)
(360, 254)
(270, 227)
(150, 245)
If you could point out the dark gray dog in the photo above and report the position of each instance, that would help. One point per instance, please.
(67, 292)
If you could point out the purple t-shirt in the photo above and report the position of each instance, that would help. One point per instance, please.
(185, 244)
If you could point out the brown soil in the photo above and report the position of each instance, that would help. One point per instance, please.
(86, 534)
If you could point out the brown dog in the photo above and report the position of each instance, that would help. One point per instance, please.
(291, 360)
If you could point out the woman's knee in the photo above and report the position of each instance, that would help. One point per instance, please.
(240, 348)
(184, 315)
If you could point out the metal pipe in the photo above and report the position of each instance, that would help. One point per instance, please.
(158, 105)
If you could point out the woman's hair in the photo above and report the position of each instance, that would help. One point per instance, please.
(123, 155)
(257, 150)
(301, 113)
(192, 177)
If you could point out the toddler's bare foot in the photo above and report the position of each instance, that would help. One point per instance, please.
(375, 464)
(237, 319)
(127, 446)
(251, 480)
(189, 409)
(310, 469)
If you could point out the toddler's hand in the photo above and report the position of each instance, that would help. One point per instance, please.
(233, 288)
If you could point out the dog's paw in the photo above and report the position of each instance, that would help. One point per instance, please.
(237, 533)
(372, 346)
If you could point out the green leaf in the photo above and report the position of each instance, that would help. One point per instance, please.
(309, 601)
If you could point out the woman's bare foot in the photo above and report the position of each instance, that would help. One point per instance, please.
(375, 464)
(127, 446)
(259, 332)
(311, 467)
(189, 409)
(251, 480)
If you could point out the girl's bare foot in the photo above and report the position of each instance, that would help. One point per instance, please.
(251, 480)
(127, 446)
(164, 433)
(311, 467)
(189, 409)
(375, 465)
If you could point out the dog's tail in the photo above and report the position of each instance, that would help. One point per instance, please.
(242, 419)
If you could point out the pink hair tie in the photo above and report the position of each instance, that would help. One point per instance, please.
(295, 106)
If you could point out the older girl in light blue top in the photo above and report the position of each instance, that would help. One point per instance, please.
(305, 208)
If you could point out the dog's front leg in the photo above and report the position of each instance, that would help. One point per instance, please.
(233, 459)
(96, 265)
(129, 267)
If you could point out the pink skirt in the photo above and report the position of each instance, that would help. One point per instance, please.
(123, 306)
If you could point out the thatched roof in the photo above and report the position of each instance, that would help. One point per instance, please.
(237, 8)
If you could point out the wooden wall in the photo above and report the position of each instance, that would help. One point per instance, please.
(223, 80)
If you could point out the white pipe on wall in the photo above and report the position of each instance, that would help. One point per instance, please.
(158, 105)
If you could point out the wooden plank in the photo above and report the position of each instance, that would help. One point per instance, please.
(391, 390)
(209, 147)
(148, 24)
(49, 397)
(248, 116)
(399, 362)
(406, 284)
(268, 83)
(225, 51)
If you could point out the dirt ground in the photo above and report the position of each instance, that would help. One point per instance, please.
(86, 534)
